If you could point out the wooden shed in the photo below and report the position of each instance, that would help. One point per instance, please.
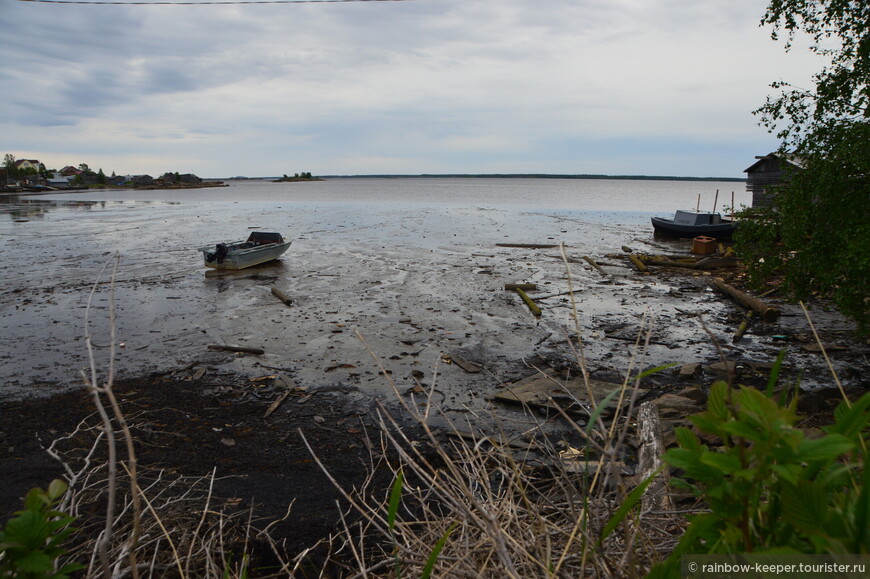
(767, 171)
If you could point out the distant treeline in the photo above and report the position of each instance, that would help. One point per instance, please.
(535, 176)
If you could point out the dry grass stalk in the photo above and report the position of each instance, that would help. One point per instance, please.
(129, 542)
(182, 531)
(510, 517)
(497, 512)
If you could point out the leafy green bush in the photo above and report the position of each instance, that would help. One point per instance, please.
(818, 234)
(30, 543)
(758, 241)
(769, 487)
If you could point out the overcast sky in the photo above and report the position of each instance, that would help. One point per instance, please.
(620, 87)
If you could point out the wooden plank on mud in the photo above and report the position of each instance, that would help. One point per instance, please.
(542, 390)
(465, 364)
(528, 245)
(239, 349)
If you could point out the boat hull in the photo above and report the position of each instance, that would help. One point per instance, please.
(239, 257)
(668, 228)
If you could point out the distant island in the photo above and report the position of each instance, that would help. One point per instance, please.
(297, 177)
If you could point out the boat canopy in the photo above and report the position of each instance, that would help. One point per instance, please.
(697, 218)
(261, 237)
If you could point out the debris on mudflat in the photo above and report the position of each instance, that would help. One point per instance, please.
(767, 312)
(238, 349)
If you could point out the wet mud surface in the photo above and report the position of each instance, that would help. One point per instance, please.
(189, 428)
(394, 301)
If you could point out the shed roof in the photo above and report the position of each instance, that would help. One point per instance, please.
(789, 158)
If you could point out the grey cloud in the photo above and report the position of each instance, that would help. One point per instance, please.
(505, 78)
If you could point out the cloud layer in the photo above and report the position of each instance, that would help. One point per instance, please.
(659, 87)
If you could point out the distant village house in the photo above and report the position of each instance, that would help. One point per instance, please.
(186, 178)
(24, 164)
(70, 171)
(142, 180)
(70, 177)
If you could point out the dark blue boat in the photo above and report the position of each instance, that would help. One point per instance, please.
(693, 224)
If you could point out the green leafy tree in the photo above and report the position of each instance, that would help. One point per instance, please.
(840, 31)
(817, 236)
(9, 165)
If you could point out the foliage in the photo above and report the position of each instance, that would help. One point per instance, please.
(840, 32)
(819, 234)
(828, 204)
(817, 237)
(14, 172)
(9, 165)
(31, 542)
(770, 487)
(298, 176)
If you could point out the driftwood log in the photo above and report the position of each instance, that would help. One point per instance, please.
(274, 406)
(282, 296)
(638, 263)
(709, 263)
(765, 311)
(532, 305)
(744, 325)
(528, 245)
(591, 262)
(650, 452)
(241, 349)
(673, 263)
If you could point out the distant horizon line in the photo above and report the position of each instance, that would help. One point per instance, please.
(509, 176)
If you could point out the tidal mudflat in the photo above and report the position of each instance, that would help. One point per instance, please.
(398, 296)
(411, 283)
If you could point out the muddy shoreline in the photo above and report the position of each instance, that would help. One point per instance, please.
(402, 301)
(352, 382)
(189, 428)
(254, 427)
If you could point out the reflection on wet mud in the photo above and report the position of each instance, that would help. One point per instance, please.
(264, 273)
(21, 208)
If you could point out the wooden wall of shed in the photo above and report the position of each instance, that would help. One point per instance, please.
(768, 172)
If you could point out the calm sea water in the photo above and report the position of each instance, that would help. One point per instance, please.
(593, 195)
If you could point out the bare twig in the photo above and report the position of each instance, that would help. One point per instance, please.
(93, 387)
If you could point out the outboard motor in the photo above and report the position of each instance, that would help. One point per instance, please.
(219, 254)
